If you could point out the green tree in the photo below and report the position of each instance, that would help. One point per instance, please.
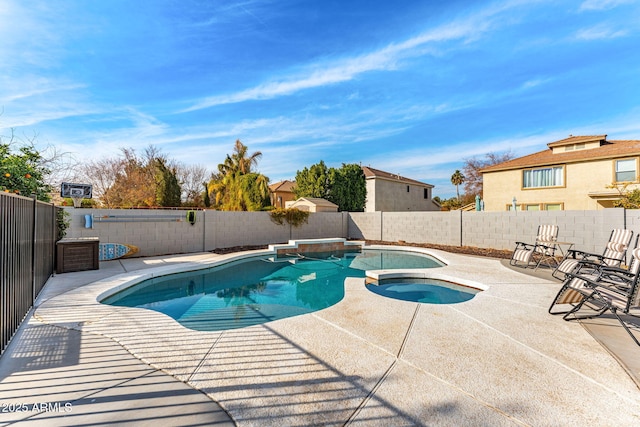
(254, 189)
(450, 204)
(629, 200)
(168, 190)
(239, 161)
(237, 187)
(312, 182)
(21, 172)
(347, 188)
(206, 198)
(457, 179)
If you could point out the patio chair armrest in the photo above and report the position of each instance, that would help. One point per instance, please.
(576, 253)
(523, 245)
(604, 258)
(588, 265)
(589, 282)
(616, 275)
(612, 286)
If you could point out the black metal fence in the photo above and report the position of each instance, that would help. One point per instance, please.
(27, 255)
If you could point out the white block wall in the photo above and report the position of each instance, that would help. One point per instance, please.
(322, 225)
(154, 234)
(137, 227)
(422, 227)
(229, 229)
(588, 230)
(365, 225)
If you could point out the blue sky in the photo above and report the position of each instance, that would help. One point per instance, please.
(409, 87)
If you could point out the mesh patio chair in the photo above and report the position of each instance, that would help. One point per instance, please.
(613, 255)
(606, 289)
(531, 254)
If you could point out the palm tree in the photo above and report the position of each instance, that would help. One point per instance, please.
(239, 162)
(456, 179)
(240, 158)
(233, 187)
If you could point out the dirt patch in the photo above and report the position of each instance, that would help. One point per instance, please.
(467, 250)
(238, 249)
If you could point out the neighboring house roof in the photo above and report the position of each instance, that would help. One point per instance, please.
(605, 150)
(285, 185)
(370, 173)
(315, 201)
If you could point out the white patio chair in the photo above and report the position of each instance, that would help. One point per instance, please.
(613, 255)
(531, 254)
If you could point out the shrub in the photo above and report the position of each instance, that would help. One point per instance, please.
(293, 216)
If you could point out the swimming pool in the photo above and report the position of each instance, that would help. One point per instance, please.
(260, 289)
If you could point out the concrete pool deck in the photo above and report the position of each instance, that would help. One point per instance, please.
(498, 359)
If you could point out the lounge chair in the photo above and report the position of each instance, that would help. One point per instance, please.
(610, 289)
(531, 254)
(614, 253)
(585, 267)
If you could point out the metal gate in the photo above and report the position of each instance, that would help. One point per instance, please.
(27, 256)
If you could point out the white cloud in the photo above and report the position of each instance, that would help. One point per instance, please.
(529, 84)
(386, 59)
(600, 32)
(602, 4)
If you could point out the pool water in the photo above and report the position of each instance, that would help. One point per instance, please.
(260, 289)
(429, 291)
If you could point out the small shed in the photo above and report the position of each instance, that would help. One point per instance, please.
(313, 204)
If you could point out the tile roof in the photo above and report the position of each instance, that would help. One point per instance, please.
(285, 185)
(316, 201)
(370, 172)
(608, 150)
(578, 139)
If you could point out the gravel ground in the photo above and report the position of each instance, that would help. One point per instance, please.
(468, 250)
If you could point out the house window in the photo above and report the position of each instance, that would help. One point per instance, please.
(407, 188)
(626, 170)
(532, 207)
(553, 206)
(543, 177)
(426, 193)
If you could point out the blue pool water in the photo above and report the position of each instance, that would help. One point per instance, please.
(430, 291)
(258, 290)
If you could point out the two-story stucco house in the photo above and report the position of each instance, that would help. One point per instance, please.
(392, 193)
(571, 174)
(282, 192)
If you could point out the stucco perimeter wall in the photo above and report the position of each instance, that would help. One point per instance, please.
(154, 232)
(587, 230)
(422, 227)
(161, 232)
(633, 221)
(365, 225)
(322, 225)
(229, 229)
(412, 227)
